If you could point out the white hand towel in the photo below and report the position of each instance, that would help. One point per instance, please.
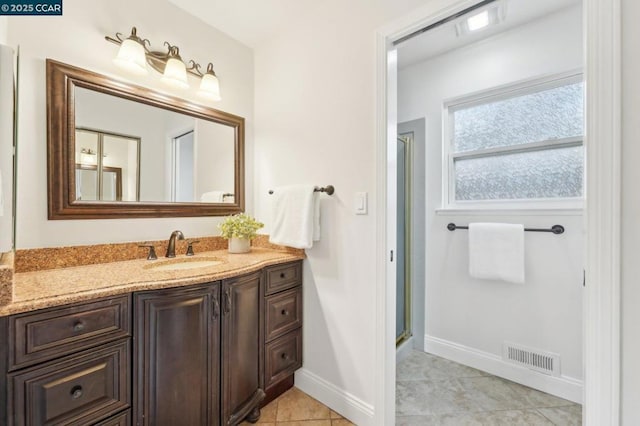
(496, 252)
(295, 216)
(212, 197)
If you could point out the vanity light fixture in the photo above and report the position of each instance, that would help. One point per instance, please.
(135, 54)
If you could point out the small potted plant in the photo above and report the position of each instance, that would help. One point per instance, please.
(239, 229)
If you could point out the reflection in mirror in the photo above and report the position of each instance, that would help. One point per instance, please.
(7, 141)
(103, 162)
(116, 150)
(131, 151)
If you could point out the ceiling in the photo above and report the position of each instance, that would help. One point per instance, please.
(443, 39)
(249, 21)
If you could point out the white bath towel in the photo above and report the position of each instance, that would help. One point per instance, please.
(496, 252)
(295, 216)
(212, 197)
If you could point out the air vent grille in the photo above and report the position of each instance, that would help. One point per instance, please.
(544, 362)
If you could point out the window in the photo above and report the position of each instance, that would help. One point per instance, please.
(517, 144)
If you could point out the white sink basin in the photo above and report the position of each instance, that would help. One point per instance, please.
(183, 264)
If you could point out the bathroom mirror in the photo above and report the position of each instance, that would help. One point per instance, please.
(116, 150)
(8, 94)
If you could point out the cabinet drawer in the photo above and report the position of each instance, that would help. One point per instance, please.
(283, 313)
(283, 356)
(283, 277)
(122, 419)
(47, 334)
(80, 389)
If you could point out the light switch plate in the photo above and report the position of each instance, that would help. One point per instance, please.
(361, 203)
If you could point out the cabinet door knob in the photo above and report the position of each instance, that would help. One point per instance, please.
(78, 326)
(284, 356)
(284, 312)
(76, 392)
(282, 275)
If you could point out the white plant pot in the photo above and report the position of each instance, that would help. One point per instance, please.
(239, 245)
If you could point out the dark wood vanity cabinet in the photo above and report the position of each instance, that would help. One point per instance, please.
(242, 377)
(282, 327)
(177, 356)
(181, 375)
(205, 354)
(68, 365)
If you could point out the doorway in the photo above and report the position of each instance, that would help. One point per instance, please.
(601, 315)
(182, 167)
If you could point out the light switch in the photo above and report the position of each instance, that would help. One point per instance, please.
(360, 203)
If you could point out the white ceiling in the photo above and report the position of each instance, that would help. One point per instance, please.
(249, 21)
(443, 39)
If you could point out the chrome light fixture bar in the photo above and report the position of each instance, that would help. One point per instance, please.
(135, 54)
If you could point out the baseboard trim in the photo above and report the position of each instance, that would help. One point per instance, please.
(563, 386)
(339, 400)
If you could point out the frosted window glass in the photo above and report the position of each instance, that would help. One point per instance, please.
(551, 173)
(549, 114)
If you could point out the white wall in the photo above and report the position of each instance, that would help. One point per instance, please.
(630, 213)
(4, 29)
(215, 151)
(77, 38)
(315, 117)
(546, 312)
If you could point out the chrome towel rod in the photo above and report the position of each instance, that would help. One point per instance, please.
(556, 229)
(329, 189)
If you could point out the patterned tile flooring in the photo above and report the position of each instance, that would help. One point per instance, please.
(296, 408)
(434, 391)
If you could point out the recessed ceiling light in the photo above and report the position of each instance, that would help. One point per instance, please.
(488, 17)
(478, 21)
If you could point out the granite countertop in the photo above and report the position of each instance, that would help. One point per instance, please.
(54, 287)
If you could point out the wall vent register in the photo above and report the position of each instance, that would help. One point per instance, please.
(534, 359)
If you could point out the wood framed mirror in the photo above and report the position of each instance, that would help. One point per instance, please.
(173, 157)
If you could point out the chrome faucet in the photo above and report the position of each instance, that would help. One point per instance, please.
(171, 247)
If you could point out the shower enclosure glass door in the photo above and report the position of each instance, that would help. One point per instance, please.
(403, 259)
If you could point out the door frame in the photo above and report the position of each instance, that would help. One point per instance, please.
(601, 314)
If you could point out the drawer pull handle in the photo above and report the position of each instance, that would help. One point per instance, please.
(284, 356)
(282, 275)
(76, 392)
(284, 312)
(78, 326)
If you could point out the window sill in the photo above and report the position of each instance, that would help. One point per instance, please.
(479, 211)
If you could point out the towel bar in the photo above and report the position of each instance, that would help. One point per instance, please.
(556, 229)
(329, 189)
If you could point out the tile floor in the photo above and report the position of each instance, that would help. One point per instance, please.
(434, 391)
(296, 408)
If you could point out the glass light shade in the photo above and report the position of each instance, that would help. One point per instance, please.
(88, 159)
(131, 57)
(175, 74)
(209, 87)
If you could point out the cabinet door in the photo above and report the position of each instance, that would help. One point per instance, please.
(241, 348)
(177, 351)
